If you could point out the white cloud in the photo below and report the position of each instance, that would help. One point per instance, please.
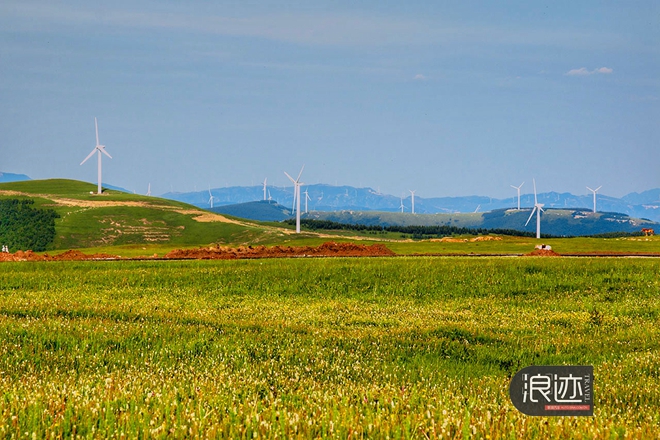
(583, 71)
(578, 72)
(419, 77)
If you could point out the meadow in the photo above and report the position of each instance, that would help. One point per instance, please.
(332, 348)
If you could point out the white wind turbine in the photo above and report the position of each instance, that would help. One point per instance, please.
(210, 197)
(307, 198)
(265, 188)
(518, 188)
(401, 207)
(412, 193)
(149, 190)
(595, 191)
(296, 196)
(98, 149)
(538, 207)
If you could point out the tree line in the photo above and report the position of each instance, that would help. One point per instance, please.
(414, 231)
(23, 227)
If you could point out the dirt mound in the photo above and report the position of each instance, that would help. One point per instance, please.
(329, 249)
(486, 238)
(543, 253)
(65, 256)
(79, 256)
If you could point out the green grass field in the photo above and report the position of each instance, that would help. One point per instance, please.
(331, 348)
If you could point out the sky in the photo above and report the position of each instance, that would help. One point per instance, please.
(445, 98)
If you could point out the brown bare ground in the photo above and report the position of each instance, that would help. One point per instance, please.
(329, 249)
(543, 253)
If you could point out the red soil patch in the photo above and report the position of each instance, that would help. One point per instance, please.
(66, 256)
(329, 249)
(543, 253)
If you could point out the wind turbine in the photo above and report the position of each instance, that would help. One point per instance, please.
(518, 188)
(307, 198)
(401, 204)
(595, 191)
(538, 207)
(265, 188)
(211, 197)
(269, 197)
(412, 193)
(98, 149)
(296, 196)
(149, 190)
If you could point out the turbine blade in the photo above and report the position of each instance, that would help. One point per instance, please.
(521, 185)
(598, 188)
(96, 124)
(514, 187)
(591, 189)
(90, 155)
(102, 150)
(530, 216)
(290, 178)
(300, 174)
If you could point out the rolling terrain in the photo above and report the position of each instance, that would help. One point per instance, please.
(120, 219)
(558, 222)
(341, 198)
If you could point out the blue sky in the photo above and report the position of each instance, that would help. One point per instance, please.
(446, 99)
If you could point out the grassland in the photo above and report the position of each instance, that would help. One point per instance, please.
(117, 219)
(332, 348)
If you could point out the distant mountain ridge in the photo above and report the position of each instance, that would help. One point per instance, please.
(324, 197)
(559, 222)
(11, 177)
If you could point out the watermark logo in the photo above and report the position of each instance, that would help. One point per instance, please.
(554, 390)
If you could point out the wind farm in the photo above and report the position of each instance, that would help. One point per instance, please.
(398, 287)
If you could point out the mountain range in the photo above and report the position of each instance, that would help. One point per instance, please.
(324, 197)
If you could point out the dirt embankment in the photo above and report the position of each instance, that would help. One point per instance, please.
(543, 253)
(329, 249)
(66, 256)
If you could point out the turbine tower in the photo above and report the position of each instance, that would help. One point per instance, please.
(211, 197)
(98, 149)
(307, 198)
(518, 188)
(265, 188)
(595, 191)
(149, 190)
(412, 194)
(538, 207)
(296, 196)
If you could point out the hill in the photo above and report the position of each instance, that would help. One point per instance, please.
(117, 218)
(337, 198)
(559, 222)
(11, 177)
(262, 210)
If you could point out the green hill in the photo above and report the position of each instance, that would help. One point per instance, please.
(116, 218)
(262, 210)
(559, 222)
